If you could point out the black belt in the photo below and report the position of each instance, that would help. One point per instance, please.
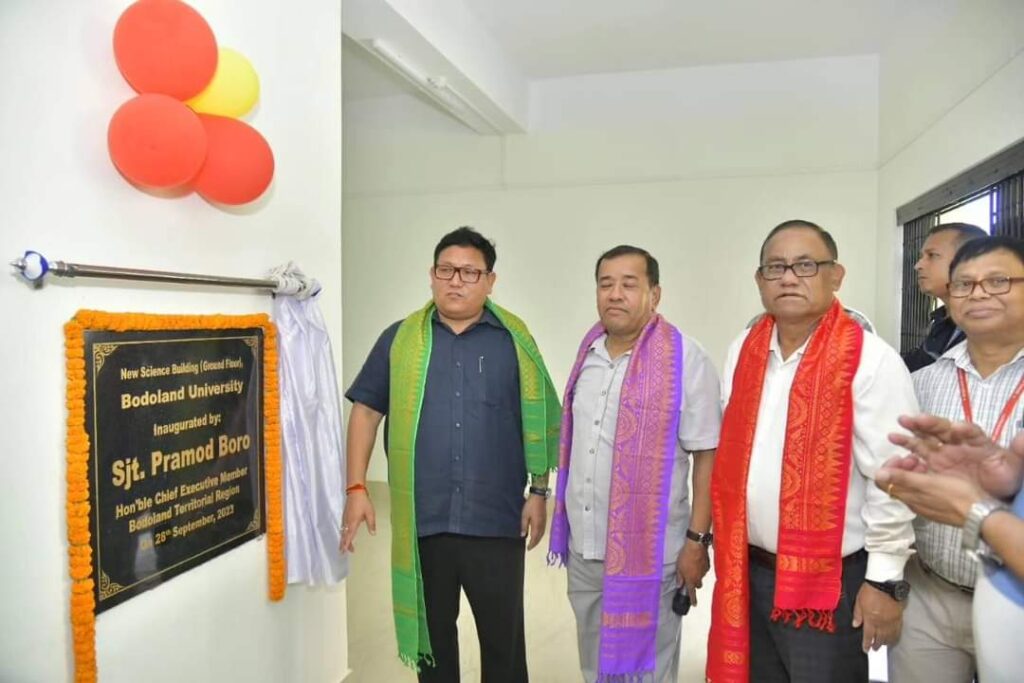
(766, 559)
(931, 572)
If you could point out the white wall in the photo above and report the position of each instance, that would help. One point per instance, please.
(952, 95)
(60, 194)
(694, 164)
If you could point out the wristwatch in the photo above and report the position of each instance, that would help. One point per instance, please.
(538, 491)
(705, 539)
(897, 590)
(971, 540)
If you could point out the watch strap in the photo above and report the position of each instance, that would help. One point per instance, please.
(705, 538)
(970, 540)
(897, 590)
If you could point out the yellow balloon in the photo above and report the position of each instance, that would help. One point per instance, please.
(234, 89)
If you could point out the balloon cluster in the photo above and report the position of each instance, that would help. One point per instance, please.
(182, 132)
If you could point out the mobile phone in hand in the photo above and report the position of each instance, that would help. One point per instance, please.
(681, 601)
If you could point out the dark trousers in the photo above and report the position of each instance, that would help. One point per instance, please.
(784, 654)
(490, 570)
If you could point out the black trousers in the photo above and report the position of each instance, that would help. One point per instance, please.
(490, 570)
(780, 653)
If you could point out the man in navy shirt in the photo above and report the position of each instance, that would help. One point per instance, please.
(932, 278)
(471, 518)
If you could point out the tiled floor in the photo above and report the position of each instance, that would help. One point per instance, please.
(550, 628)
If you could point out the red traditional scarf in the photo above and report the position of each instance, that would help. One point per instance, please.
(812, 500)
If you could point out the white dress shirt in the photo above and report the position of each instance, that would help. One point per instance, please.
(882, 391)
(595, 412)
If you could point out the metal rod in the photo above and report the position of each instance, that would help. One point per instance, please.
(34, 267)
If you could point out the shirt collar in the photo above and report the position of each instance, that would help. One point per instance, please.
(776, 348)
(960, 358)
(600, 348)
(487, 317)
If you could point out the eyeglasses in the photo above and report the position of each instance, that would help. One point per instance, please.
(467, 274)
(775, 271)
(1000, 284)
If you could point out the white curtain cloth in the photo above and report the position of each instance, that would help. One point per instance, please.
(312, 444)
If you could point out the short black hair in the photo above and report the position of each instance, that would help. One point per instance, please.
(653, 275)
(972, 249)
(830, 243)
(468, 237)
(964, 231)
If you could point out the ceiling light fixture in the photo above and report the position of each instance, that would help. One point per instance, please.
(436, 88)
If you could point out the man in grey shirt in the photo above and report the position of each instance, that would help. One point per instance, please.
(607, 410)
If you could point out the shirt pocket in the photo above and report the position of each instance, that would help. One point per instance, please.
(498, 377)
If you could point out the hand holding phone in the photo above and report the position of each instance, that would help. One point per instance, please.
(681, 601)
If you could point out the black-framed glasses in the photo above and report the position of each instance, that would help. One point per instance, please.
(808, 268)
(467, 274)
(1000, 284)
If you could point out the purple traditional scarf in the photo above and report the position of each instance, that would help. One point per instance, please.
(644, 451)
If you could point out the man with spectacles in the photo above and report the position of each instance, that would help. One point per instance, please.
(932, 270)
(808, 557)
(471, 414)
(641, 398)
(978, 380)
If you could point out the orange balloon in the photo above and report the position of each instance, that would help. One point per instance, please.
(239, 162)
(157, 142)
(165, 46)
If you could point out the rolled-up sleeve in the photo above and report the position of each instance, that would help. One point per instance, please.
(701, 419)
(373, 383)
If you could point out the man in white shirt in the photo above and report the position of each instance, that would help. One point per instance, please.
(641, 398)
(808, 556)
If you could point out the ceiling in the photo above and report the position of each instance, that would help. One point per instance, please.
(563, 38)
(554, 38)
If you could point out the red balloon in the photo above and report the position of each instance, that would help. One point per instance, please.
(156, 141)
(239, 163)
(165, 46)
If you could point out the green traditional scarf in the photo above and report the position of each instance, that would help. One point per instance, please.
(410, 357)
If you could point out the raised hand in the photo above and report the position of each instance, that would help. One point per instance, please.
(960, 449)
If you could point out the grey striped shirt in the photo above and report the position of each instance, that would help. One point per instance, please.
(938, 391)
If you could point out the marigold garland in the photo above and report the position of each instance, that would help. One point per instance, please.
(80, 565)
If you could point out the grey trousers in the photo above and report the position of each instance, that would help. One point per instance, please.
(585, 583)
(937, 644)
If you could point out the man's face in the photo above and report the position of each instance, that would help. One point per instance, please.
(933, 267)
(990, 315)
(457, 299)
(625, 298)
(791, 298)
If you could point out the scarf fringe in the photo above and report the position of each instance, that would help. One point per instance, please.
(415, 663)
(636, 677)
(558, 560)
(818, 619)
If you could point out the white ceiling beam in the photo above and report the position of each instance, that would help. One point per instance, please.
(442, 49)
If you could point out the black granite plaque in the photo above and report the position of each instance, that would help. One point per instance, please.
(175, 423)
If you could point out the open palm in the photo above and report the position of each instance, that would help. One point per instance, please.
(963, 449)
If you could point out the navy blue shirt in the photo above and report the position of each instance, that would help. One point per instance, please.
(943, 334)
(470, 466)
